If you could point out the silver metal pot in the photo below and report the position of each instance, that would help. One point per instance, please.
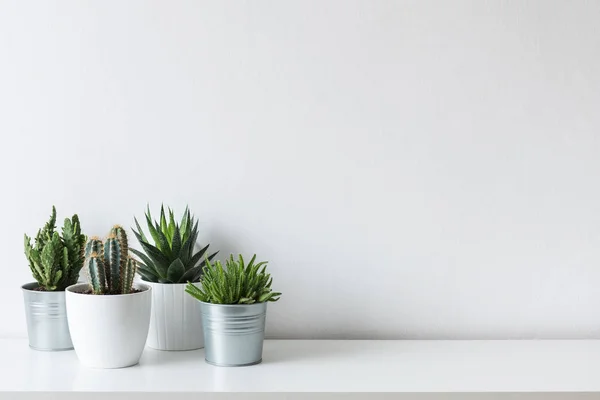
(233, 333)
(46, 315)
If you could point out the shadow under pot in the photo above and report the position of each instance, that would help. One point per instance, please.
(233, 333)
(108, 331)
(46, 317)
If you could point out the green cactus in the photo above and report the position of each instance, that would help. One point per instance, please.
(94, 265)
(55, 260)
(94, 245)
(109, 266)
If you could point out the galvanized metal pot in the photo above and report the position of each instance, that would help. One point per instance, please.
(233, 333)
(109, 331)
(46, 316)
(175, 321)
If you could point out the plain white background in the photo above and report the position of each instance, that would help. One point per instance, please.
(412, 169)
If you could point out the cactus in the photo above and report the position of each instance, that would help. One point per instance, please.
(55, 260)
(109, 266)
(94, 265)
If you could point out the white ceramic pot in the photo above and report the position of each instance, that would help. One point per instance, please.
(108, 331)
(176, 320)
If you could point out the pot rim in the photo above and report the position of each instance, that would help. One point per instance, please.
(37, 285)
(264, 303)
(165, 284)
(142, 287)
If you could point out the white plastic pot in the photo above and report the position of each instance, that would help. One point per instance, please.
(108, 331)
(176, 320)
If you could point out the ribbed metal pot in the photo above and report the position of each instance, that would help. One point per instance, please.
(233, 334)
(46, 315)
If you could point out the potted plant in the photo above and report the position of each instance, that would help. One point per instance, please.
(55, 262)
(233, 303)
(167, 265)
(109, 316)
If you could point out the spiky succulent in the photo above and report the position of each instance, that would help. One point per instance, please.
(110, 268)
(172, 257)
(56, 260)
(235, 284)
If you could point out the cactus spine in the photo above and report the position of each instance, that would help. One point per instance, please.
(110, 268)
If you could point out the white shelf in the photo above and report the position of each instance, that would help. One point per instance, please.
(325, 366)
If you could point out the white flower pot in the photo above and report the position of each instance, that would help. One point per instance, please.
(176, 320)
(108, 331)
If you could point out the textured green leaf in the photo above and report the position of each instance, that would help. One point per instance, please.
(171, 226)
(185, 225)
(146, 261)
(159, 261)
(176, 243)
(175, 271)
(163, 221)
(140, 231)
(165, 246)
(152, 229)
(146, 275)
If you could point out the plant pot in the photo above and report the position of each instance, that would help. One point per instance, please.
(108, 331)
(175, 321)
(233, 334)
(46, 316)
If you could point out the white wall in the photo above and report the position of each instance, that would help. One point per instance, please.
(412, 169)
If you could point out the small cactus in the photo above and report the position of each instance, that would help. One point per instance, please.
(55, 260)
(109, 266)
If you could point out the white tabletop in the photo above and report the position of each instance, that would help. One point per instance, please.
(325, 366)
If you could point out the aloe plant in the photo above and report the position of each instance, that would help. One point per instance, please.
(110, 268)
(236, 284)
(55, 260)
(171, 258)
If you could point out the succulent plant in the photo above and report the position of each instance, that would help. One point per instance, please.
(56, 260)
(171, 259)
(110, 268)
(235, 284)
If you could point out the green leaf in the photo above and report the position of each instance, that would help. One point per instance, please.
(199, 255)
(176, 243)
(237, 283)
(185, 225)
(175, 271)
(146, 275)
(165, 246)
(152, 229)
(159, 261)
(139, 228)
(163, 221)
(190, 274)
(146, 260)
(171, 227)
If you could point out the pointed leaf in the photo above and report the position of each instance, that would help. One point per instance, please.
(152, 229)
(175, 271)
(163, 221)
(176, 243)
(139, 228)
